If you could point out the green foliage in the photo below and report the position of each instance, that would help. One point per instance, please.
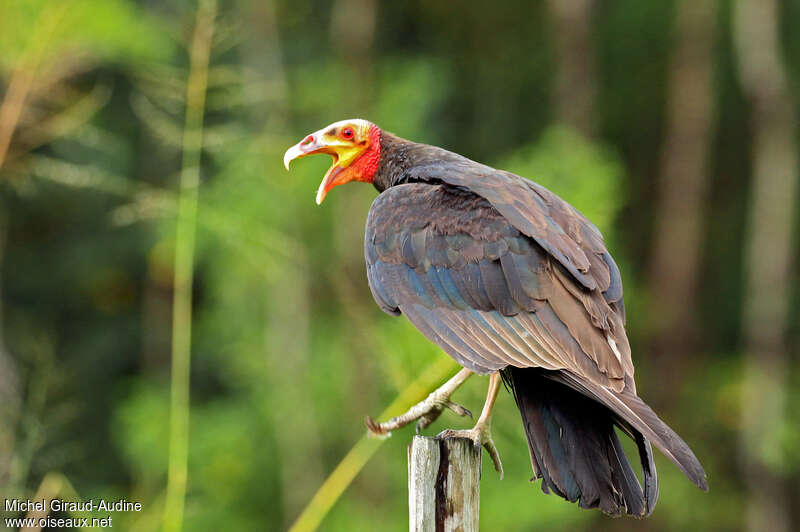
(141, 430)
(289, 352)
(112, 30)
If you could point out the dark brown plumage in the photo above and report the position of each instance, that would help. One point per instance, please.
(504, 275)
(512, 281)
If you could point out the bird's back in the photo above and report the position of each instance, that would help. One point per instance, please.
(504, 275)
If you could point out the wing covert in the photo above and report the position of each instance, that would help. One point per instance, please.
(484, 291)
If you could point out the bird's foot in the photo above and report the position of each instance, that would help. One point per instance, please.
(426, 411)
(481, 436)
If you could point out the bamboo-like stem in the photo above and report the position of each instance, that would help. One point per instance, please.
(184, 266)
(54, 485)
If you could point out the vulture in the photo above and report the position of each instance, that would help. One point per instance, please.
(512, 282)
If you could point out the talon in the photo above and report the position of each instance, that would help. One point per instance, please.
(449, 433)
(376, 429)
(426, 420)
(491, 448)
(481, 436)
(458, 409)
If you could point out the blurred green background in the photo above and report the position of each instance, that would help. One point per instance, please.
(671, 124)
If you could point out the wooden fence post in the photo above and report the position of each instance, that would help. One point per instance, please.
(444, 485)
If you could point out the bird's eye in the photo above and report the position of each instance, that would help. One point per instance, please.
(348, 133)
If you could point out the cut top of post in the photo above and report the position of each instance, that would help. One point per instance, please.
(443, 485)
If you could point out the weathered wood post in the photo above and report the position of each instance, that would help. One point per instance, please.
(444, 485)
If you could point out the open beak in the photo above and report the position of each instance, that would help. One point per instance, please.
(308, 146)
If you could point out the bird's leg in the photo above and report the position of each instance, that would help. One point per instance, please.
(426, 411)
(481, 433)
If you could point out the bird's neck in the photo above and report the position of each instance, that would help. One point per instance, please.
(403, 161)
(394, 161)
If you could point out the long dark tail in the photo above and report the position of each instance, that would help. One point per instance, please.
(575, 450)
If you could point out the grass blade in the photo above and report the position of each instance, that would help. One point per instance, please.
(355, 460)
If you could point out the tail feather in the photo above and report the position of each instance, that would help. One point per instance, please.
(575, 450)
(648, 472)
(631, 412)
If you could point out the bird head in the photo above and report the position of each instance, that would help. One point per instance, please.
(355, 146)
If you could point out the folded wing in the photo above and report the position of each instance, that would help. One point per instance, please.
(493, 297)
(488, 294)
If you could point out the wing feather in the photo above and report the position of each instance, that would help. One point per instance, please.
(489, 294)
(499, 272)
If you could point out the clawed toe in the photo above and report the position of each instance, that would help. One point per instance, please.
(481, 436)
(376, 429)
(458, 409)
(425, 412)
(473, 435)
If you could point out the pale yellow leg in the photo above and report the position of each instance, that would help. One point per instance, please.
(426, 411)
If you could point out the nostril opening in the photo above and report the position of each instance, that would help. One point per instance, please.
(309, 139)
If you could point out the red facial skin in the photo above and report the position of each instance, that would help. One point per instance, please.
(362, 169)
